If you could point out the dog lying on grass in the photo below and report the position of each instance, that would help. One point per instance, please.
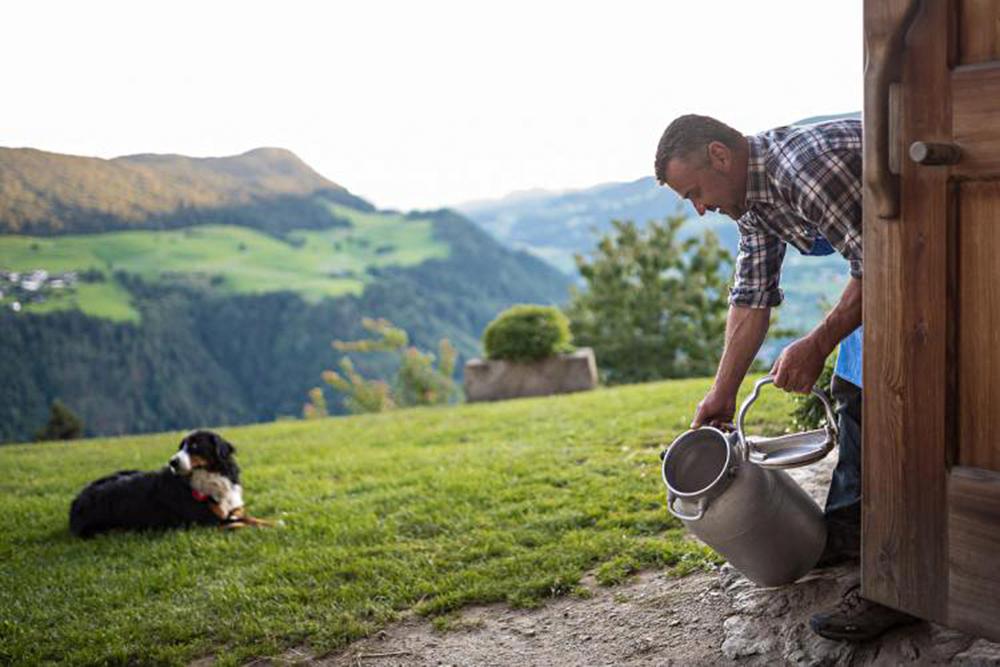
(200, 485)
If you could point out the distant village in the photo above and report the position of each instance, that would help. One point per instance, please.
(20, 288)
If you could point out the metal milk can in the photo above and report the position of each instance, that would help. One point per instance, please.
(731, 491)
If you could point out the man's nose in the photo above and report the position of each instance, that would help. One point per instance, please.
(698, 206)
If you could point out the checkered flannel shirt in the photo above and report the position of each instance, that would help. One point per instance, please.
(802, 182)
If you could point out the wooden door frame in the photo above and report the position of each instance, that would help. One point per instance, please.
(929, 526)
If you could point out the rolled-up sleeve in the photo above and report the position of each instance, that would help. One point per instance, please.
(758, 267)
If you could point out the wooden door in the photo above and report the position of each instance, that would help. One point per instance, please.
(931, 470)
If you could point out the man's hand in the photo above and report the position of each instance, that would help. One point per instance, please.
(799, 366)
(716, 409)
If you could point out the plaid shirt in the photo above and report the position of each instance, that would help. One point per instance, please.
(802, 183)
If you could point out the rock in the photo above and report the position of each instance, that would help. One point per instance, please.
(908, 650)
(743, 637)
(982, 652)
(948, 642)
(760, 602)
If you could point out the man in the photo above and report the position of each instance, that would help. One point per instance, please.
(799, 186)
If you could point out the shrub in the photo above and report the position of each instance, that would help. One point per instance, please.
(92, 275)
(418, 381)
(527, 333)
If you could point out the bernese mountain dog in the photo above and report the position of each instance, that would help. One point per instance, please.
(200, 485)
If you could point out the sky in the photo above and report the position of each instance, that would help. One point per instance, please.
(416, 105)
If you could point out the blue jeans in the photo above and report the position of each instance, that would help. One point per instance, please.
(843, 501)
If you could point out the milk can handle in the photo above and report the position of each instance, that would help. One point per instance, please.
(671, 498)
(831, 422)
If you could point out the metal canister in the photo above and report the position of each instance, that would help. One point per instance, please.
(732, 492)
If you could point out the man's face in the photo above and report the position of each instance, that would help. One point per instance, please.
(709, 180)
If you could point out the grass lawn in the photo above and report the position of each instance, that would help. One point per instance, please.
(423, 509)
(315, 263)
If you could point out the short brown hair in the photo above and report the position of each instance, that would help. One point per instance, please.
(687, 134)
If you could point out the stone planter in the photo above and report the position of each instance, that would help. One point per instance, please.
(493, 380)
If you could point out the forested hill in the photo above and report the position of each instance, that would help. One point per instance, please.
(203, 357)
(216, 323)
(267, 188)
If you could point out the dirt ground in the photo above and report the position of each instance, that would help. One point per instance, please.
(654, 620)
(706, 618)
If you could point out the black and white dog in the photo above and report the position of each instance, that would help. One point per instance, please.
(201, 485)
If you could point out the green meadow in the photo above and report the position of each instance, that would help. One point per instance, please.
(314, 263)
(424, 510)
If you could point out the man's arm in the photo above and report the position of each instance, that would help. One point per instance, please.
(745, 332)
(800, 364)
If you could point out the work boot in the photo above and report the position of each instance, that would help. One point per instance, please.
(856, 619)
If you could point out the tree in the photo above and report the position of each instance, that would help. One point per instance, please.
(361, 395)
(655, 306)
(62, 424)
(417, 381)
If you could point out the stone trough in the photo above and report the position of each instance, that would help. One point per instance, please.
(494, 379)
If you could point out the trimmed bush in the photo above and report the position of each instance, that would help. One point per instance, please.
(527, 333)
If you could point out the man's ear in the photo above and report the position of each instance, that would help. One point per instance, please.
(720, 156)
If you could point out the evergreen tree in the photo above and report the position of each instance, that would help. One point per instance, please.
(62, 424)
(655, 306)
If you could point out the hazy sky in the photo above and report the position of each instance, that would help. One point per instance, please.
(419, 104)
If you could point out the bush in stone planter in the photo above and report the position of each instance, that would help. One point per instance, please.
(527, 333)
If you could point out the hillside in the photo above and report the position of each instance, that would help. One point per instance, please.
(231, 259)
(45, 193)
(200, 354)
(513, 501)
(228, 319)
(555, 225)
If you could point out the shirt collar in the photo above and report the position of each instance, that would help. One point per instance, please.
(758, 188)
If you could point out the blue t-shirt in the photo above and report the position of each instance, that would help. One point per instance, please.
(848, 364)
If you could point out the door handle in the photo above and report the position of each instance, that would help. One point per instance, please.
(886, 23)
(929, 153)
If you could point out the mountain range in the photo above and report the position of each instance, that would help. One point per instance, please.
(45, 193)
(158, 292)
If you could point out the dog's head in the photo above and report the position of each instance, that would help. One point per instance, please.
(203, 449)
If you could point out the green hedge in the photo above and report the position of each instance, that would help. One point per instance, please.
(527, 333)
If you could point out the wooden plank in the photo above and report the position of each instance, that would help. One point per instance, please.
(975, 95)
(883, 371)
(904, 556)
(979, 325)
(978, 31)
(974, 562)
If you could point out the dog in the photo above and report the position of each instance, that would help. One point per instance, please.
(199, 486)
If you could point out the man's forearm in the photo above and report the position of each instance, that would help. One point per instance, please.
(841, 321)
(745, 332)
